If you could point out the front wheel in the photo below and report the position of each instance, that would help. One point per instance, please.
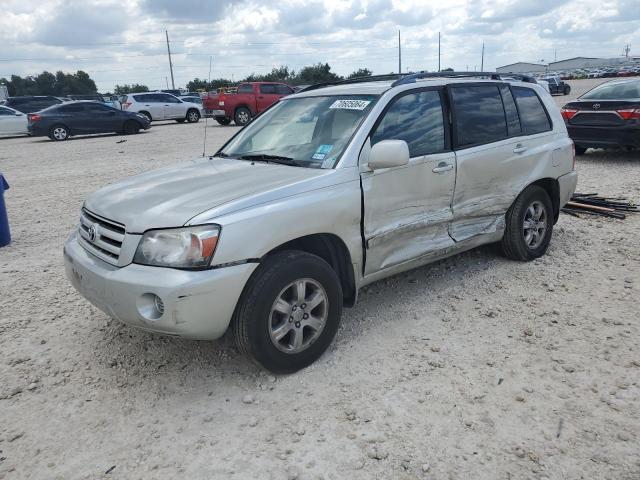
(529, 225)
(289, 311)
(131, 127)
(193, 116)
(59, 133)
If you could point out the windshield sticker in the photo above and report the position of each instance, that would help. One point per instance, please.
(328, 163)
(351, 104)
(321, 152)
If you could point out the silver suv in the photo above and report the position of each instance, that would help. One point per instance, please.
(162, 106)
(331, 189)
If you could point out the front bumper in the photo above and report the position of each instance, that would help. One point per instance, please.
(197, 304)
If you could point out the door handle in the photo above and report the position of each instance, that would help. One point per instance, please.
(442, 167)
(519, 148)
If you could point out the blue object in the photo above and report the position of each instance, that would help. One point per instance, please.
(5, 235)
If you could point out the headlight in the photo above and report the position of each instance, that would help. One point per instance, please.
(189, 247)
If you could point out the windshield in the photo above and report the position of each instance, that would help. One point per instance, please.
(614, 91)
(310, 131)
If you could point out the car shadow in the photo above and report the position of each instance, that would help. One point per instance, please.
(87, 136)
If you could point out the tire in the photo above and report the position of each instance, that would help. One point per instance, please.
(146, 114)
(580, 150)
(257, 323)
(520, 243)
(567, 90)
(131, 127)
(242, 116)
(59, 133)
(180, 120)
(223, 120)
(193, 116)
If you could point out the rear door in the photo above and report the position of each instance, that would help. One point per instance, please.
(152, 103)
(488, 156)
(407, 209)
(267, 96)
(73, 115)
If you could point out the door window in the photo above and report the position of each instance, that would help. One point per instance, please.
(267, 89)
(415, 118)
(5, 111)
(245, 88)
(169, 98)
(479, 115)
(533, 115)
(71, 108)
(283, 90)
(101, 109)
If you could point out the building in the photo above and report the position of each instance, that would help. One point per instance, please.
(522, 67)
(586, 62)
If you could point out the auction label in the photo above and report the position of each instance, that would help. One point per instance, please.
(351, 104)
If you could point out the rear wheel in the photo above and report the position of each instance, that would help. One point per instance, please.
(59, 133)
(131, 127)
(567, 89)
(193, 116)
(529, 225)
(242, 116)
(223, 120)
(289, 311)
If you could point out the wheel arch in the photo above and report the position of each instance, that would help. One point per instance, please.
(332, 249)
(145, 112)
(552, 187)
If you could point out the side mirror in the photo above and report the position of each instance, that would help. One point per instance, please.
(388, 153)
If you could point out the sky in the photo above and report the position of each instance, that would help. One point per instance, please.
(120, 41)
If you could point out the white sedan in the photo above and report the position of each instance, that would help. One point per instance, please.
(12, 122)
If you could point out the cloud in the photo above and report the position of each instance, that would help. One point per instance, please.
(186, 11)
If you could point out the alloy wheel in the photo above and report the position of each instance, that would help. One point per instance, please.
(534, 226)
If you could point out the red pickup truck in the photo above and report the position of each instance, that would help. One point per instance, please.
(251, 99)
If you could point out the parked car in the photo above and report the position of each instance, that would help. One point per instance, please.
(161, 106)
(331, 189)
(606, 116)
(251, 99)
(82, 117)
(31, 103)
(557, 85)
(12, 122)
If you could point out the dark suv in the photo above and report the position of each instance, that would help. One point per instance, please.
(30, 103)
(557, 86)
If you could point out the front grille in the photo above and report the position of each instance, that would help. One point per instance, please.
(100, 236)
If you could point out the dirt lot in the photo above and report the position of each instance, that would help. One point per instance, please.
(474, 367)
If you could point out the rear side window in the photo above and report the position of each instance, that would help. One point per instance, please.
(245, 88)
(479, 115)
(533, 115)
(267, 89)
(417, 119)
(511, 112)
(71, 108)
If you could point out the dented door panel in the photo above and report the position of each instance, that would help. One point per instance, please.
(407, 211)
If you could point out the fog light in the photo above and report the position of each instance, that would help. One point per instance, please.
(150, 306)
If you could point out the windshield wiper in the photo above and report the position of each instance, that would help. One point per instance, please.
(263, 157)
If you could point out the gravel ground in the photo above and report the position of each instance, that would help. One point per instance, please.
(473, 367)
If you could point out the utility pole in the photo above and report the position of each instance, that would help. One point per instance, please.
(173, 85)
(399, 54)
(627, 48)
(555, 55)
(482, 59)
(438, 51)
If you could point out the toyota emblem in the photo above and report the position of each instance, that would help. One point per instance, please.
(93, 233)
(596, 106)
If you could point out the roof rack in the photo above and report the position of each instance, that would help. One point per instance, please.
(412, 77)
(371, 78)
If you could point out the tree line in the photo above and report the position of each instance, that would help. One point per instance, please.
(79, 83)
(46, 83)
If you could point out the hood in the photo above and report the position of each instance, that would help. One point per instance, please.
(170, 196)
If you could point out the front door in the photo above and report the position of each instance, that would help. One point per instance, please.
(267, 96)
(407, 209)
(173, 107)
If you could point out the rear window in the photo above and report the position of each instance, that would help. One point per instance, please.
(479, 115)
(533, 116)
(619, 91)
